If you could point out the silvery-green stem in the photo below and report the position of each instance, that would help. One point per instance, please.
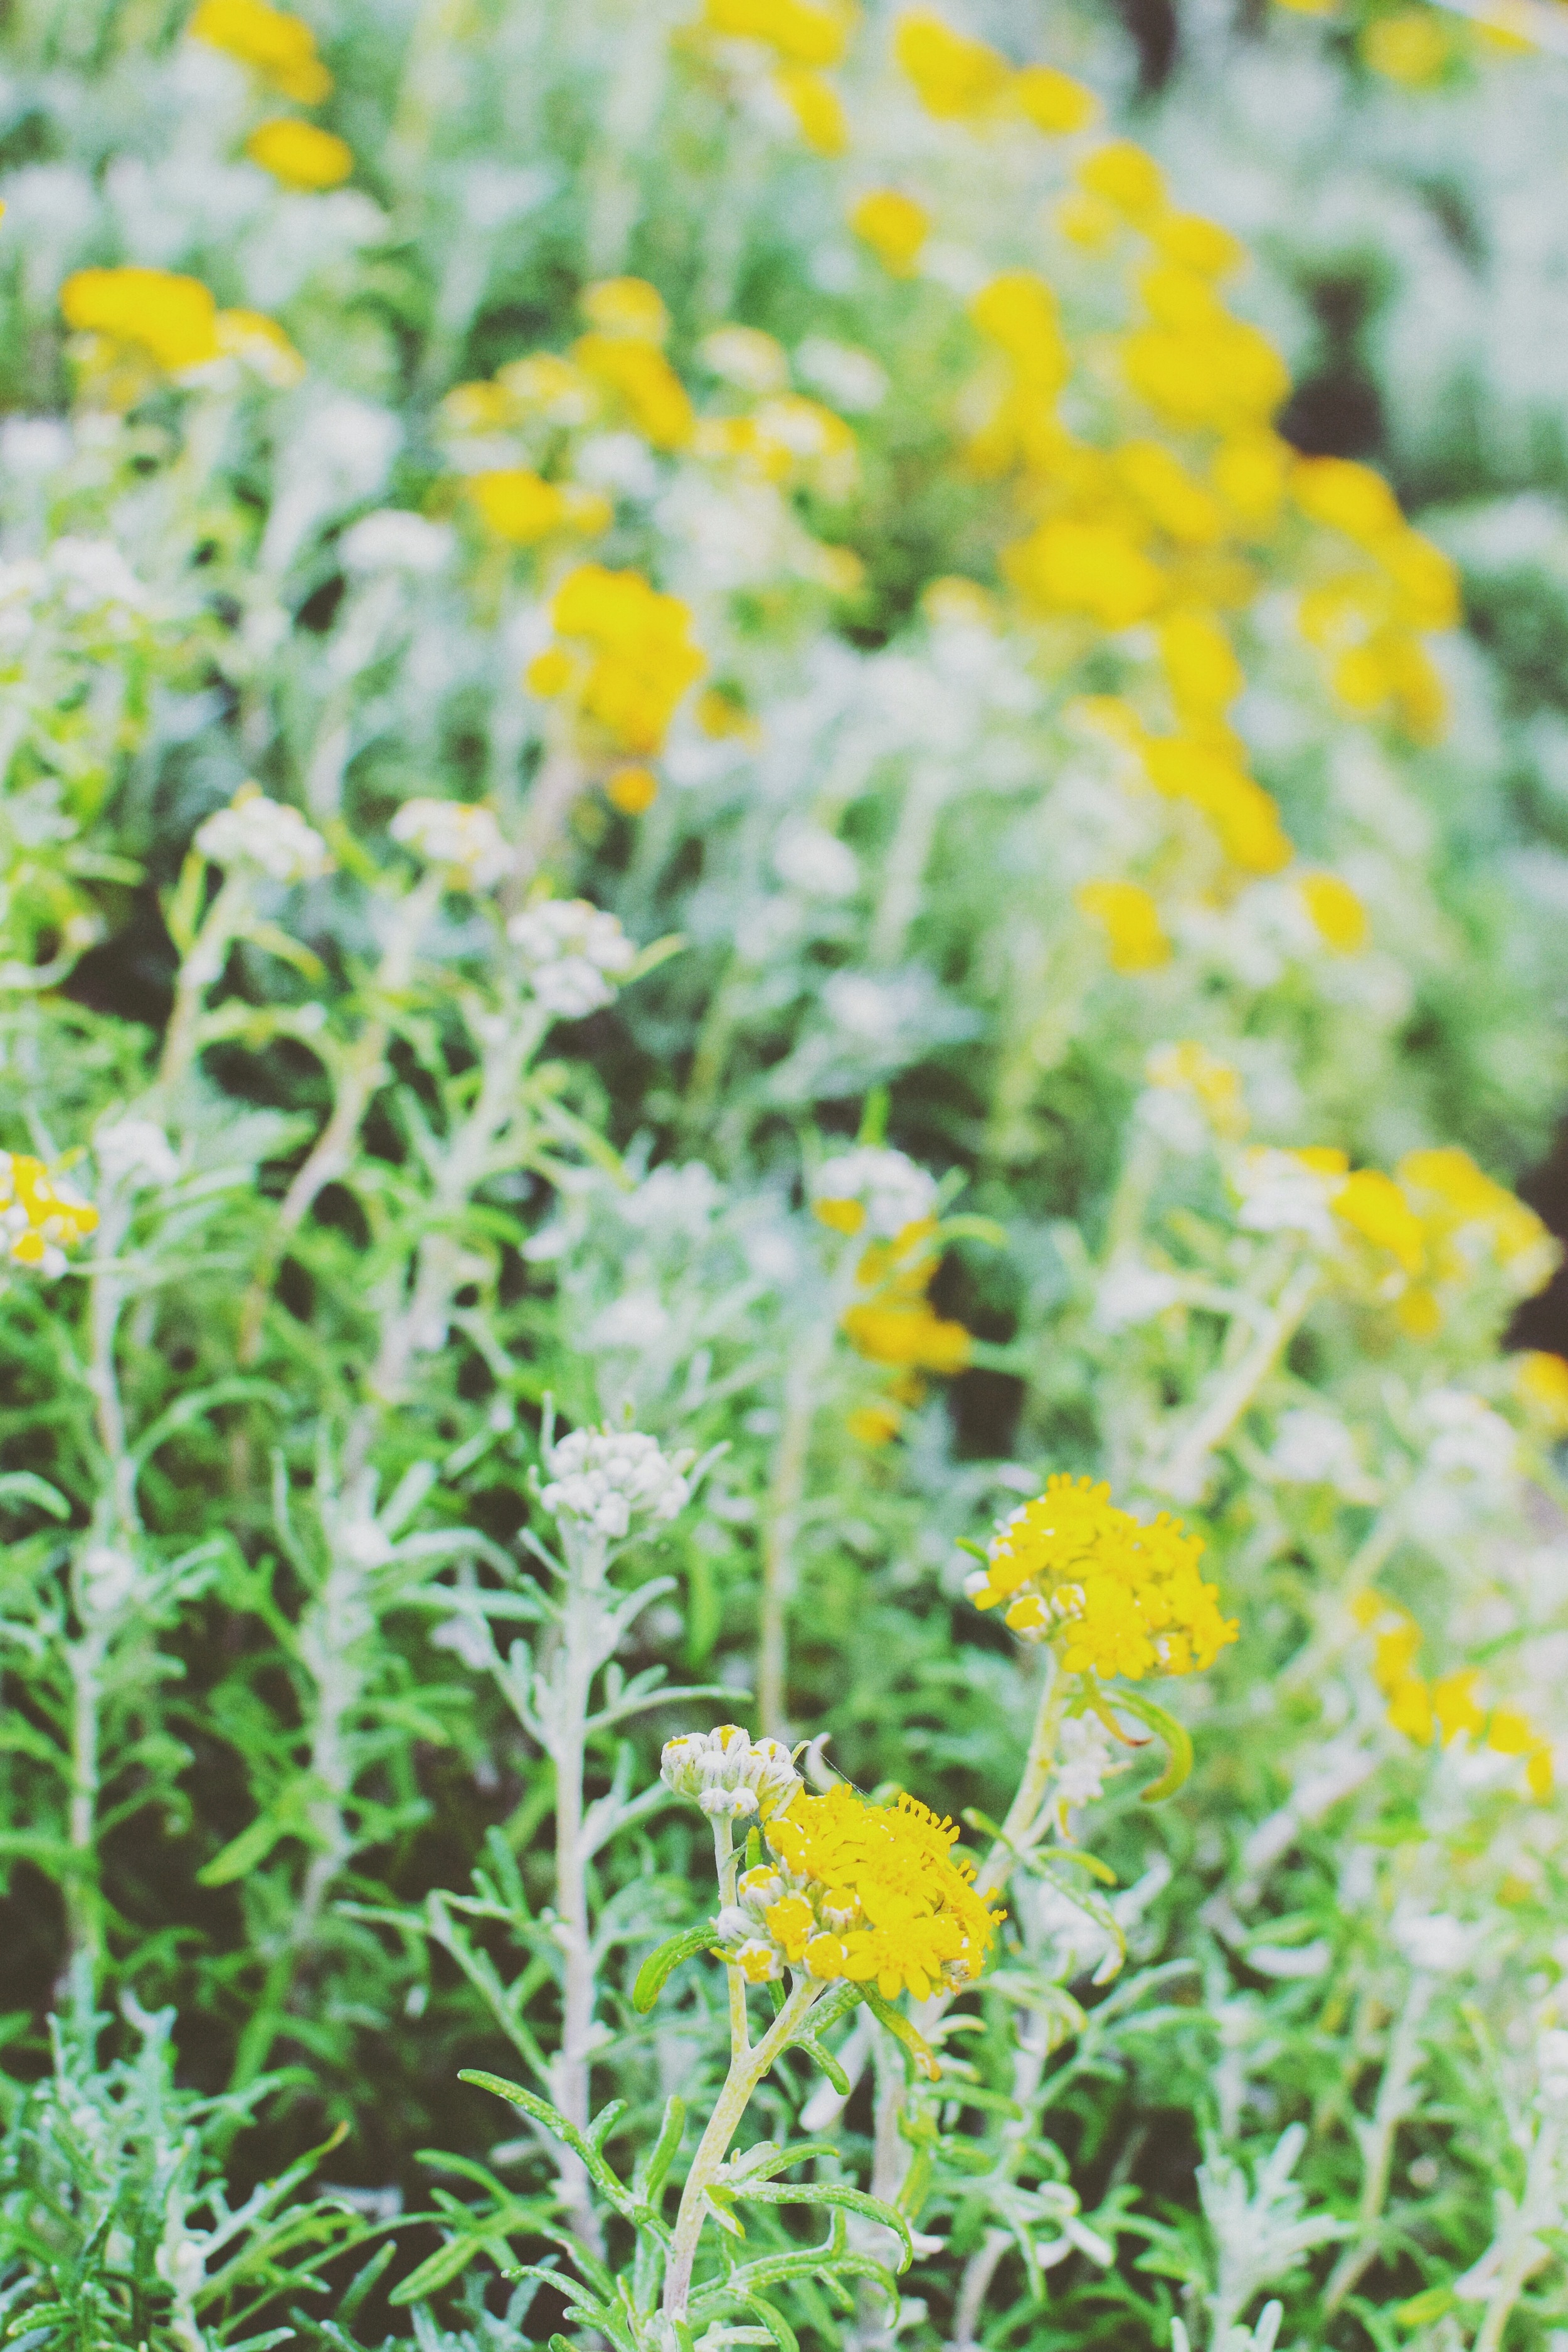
(105, 1299)
(1186, 1472)
(1540, 2207)
(577, 1661)
(1392, 2108)
(725, 1862)
(1021, 1828)
(201, 969)
(745, 2073)
(85, 1660)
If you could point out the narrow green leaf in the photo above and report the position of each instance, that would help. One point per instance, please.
(1178, 1742)
(659, 1965)
(898, 2026)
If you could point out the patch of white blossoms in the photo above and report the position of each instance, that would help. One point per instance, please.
(1280, 1192)
(136, 1153)
(606, 1478)
(263, 836)
(729, 1774)
(459, 835)
(887, 1191)
(573, 953)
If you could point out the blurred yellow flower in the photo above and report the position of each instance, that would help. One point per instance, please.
(172, 319)
(1125, 177)
(1053, 101)
(817, 107)
(1131, 920)
(893, 225)
(521, 507)
(954, 76)
(1336, 912)
(806, 32)
(638, 657)
(278, 46)
(1412, 47)
(633, 790)
(1541, 1383)
(298, 154)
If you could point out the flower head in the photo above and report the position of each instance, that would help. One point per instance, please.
(171, 318)
(729, 1773)
(605, 1478)
(872, 1191)
(632, 656)
(1117, 1596)
(459, 835)
(574, 954)
(871, 1893)
(265, 835)
(40, 1217)
(278, 46)
(893, 225)
(298, 154)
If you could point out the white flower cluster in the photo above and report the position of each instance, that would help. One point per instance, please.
(605, 1477)
(573, 953)
(886, 1188)
(1281, 1192)
(729, 1773)
(266, 835)
(394, 541)
(459, 835)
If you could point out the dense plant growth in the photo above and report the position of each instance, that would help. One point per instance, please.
(772, 969)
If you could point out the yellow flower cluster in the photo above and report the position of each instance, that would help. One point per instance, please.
(896, 1323)
(522, 507)
(958, 79)
(1134, 935)
(1367, 619)
(804, 36)
(1213, 1084)
(40, 1218)
(1541, 1385)
(873, 1894)
(1115, 1595)
(1441, 1709)
(627, 659)
(139, 324)
(279, 48)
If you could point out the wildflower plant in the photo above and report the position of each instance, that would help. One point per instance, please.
(764, 954)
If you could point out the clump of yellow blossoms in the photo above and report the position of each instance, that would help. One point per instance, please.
(894, 226)
(804, 37)
(1443, 1708)
(521, 507)
(1116, 1596)
(1134, 935)
(278, 46)
(298, 154)
(627, 659)
(896, 1323)
(40, 1218)
(623, 355)
(136, 323)
(873, 1894)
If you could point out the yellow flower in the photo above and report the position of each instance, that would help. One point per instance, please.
(870, 1893)
(1173, 502)
(519, 506)
(278, 46)
(1194, 243)
(261, 343)
(1094, 568)
(1018, 310)
(894, 227)
(1131, 921)
(953, 76)
(633, 790)
(723, 715)
(637, 374)
(1053, 101)
(1127, 179)
(1116, 1596)
(1412, 46)
(1216, 1085)
(817, 107)
(40, 1218)
(874, 1425)
(1541, 1383)
(1349, 498)
(1224, 374)
(1455, 1198)
(1244, 815)
(803, 31)
(1372, 1206)
(1512, 1733)
(1454, 1703)
(914, 1337)
(627, 306)
(1249, 474)
(1336, 912)
(639, 657)
(171, 319)
(300, 154)
(1200, 664)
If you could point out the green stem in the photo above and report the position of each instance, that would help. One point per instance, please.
(1186, 1472)
(745, 2073)
(725, 1861)
(1020, 1829)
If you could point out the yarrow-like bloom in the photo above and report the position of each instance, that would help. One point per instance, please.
(637, 660)
(1115, 1595)
(730, 1774)
(301, 155)
(605, 1478)
(871, 1893)
(40, 1216)
(459, 835)
(573, 953)
(266, 835)
(873, 1192)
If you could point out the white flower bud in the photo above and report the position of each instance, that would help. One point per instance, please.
(460, 836)
(728, 1772)
(266, 835)
(574, 954)
(886, 1188)
(608, 1477)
